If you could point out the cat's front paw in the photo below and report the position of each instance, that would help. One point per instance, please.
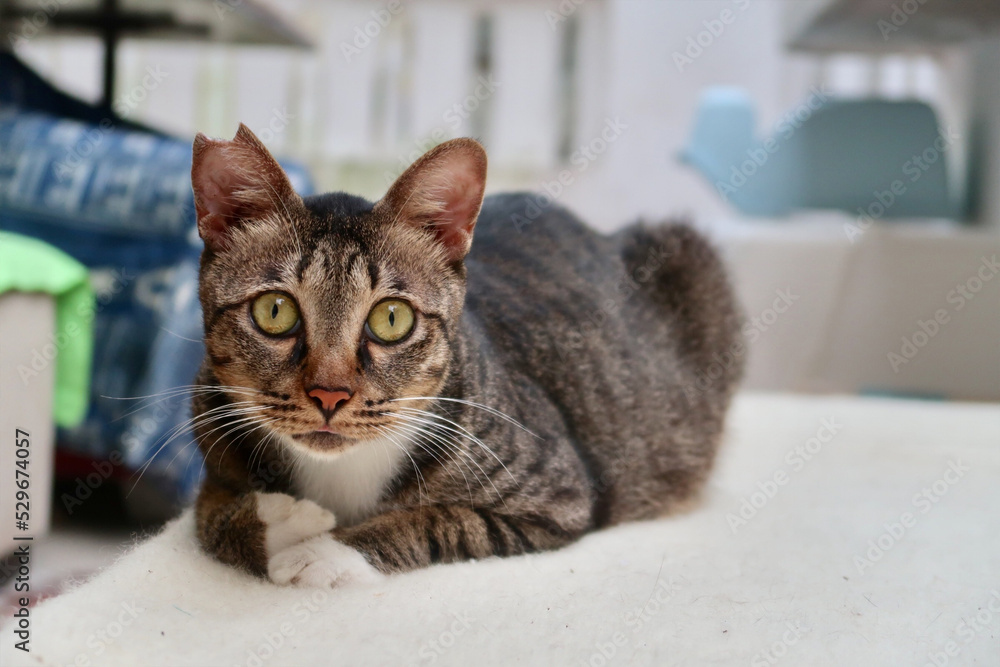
(321, 562)
(289, 521)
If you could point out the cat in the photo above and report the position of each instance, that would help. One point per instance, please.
(380, 394)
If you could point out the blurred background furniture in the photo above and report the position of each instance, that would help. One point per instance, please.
(46, 310)
(246, 22)
(867, 25)
(840, 155)
(892, 31)
(26, 319)
(862, 316)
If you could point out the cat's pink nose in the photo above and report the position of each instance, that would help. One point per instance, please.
(328, 400)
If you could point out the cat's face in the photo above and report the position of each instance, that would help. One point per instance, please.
(321, 314)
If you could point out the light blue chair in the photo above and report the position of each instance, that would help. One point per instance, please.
(883, 157)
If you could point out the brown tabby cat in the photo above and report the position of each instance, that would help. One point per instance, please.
(376, 398)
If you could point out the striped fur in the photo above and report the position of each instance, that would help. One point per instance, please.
(556, 380)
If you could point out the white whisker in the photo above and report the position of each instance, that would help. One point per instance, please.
(420, 477)
(194, 422)
(460, 430)
(416, 434)
(436, 426)
(472, 404)
(418, 431)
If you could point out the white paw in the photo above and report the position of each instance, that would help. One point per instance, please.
(322, 562)
(290, 521)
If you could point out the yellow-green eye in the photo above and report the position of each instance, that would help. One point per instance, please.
(390, 320)
(275, 313)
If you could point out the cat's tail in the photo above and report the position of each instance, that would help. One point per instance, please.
(681, 272)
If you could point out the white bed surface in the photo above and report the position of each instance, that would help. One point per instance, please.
(788, 587)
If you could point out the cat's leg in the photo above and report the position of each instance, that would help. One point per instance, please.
(248, 529)
(407, 539)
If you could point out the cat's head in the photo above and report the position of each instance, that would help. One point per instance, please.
(321, 312)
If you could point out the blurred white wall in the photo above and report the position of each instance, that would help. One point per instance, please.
(535, 80)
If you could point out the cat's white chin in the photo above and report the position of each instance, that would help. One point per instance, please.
(321, 562)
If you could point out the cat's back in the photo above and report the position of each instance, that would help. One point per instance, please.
(533, 268)
(619, 331)
(514, 227)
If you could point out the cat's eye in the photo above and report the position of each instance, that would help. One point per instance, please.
(275, 313)
(390, 321)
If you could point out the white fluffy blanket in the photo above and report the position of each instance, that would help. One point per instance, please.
(836, 531)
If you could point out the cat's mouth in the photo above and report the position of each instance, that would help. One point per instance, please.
(323, 439)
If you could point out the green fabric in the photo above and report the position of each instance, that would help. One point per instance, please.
(29, 265)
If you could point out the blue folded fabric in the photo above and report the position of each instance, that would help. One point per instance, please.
(107, 197)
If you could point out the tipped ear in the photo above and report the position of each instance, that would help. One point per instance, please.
(234, 181)
(442, 193)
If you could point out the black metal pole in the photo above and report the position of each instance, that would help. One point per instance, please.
(110, 37)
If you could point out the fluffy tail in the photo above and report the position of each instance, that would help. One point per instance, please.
(682, 273)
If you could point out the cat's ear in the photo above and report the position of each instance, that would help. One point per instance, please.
(442, 193)
(235, 181)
